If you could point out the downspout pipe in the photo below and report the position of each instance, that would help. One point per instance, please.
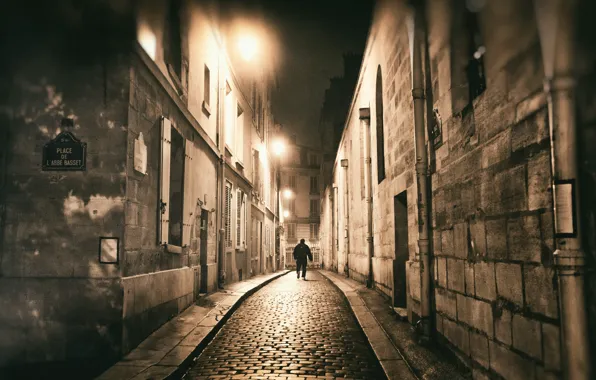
(220, 170)
(365, 119)
(416, 39)
(556, 24)
(344, 163)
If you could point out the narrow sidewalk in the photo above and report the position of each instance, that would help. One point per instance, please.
(170, 349)
(392, 340)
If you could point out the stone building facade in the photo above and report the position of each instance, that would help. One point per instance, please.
(300, 200)
(499, 296)
(94, 260)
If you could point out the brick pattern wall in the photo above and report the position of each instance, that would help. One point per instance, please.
(492, 215)
(149, 101)
(494, 287)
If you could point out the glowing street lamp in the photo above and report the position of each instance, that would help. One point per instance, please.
(248, 46)
(288, 193)
(278, 147)
(286, 214)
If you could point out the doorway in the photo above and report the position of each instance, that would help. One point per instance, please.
(400, 212)
(203, 250)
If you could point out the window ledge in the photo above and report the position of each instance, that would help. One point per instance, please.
(174, 249)
(206, 109)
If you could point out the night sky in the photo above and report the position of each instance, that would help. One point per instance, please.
(312, 35)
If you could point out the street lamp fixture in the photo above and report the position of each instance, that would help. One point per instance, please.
(278, 147)
(286, 214)
(288, 193)
(248, 46)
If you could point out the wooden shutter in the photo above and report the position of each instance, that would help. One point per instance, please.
(164, 179)
(228, 214)
(188, 207)
(238, 218)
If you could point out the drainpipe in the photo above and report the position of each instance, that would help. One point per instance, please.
(556, 23)
(221, 169)
(365, 118)
(416, 39)
(344, 164)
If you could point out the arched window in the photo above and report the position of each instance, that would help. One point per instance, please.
(380, 133)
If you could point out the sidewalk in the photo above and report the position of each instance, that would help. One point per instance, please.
(392, 340)
(171, 349)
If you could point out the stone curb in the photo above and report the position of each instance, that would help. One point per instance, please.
(392, 361)
(177, 370)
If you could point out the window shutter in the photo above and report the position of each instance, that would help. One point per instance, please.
(238, 218)
(164, 192)
(188, 196)
(228, 214)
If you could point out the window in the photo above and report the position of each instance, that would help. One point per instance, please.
(314, 185)
(171, 184)
(380, 129)
(291, 230)
(173, 47)
(303, 154)
(255, 167)
(207, 88)
(292, 206)
(475, 68)
(229, 117)
(228, 215)
(292, 182)
(240, 219)
(314, 231)
(239, 133)
(313, 160)
(314, 207)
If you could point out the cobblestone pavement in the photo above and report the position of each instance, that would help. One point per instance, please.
(290, 329)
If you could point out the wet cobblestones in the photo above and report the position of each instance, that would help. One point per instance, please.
(290, 329)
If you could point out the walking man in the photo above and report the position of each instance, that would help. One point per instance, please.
(301, 252)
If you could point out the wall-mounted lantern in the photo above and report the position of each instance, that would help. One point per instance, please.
(344, 163)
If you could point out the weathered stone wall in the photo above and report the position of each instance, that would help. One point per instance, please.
(151, 300)
(149, 102)
(58, 302)
(491, 211)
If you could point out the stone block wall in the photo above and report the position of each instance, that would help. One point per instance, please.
(149, 102)
(494, 286)
(151, 300)
(495, 293)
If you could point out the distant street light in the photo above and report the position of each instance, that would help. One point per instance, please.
(286, 214)
(288, 193)
(278, 147)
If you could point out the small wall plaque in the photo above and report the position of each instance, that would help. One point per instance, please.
(565, 218)
(140, 160)
(64, 153)
(108, 250)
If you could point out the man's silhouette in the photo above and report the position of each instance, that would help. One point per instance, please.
(301, 252)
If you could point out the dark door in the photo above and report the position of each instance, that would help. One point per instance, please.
(203, 250)
(400, 210)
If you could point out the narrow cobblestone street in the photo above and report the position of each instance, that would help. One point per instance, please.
(290, 329)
